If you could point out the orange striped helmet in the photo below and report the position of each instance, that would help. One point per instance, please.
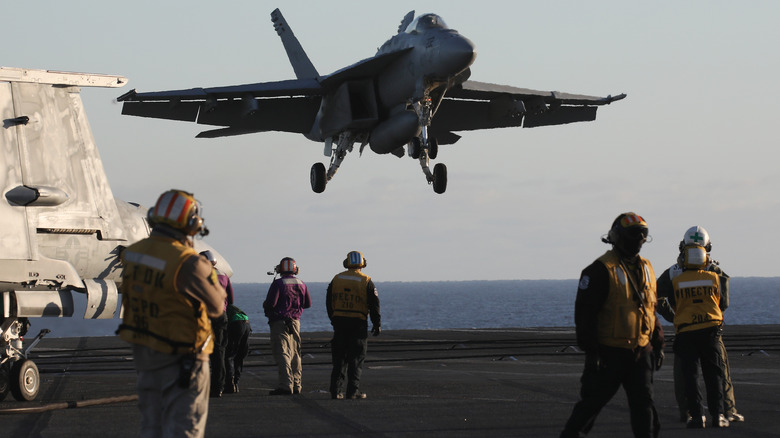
(287, 266)
(177, 209)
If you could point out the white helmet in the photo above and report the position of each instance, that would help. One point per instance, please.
(697, 236)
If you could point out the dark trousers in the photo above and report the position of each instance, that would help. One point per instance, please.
(348, 349)
(237, 349)
(618, 366)
(701, 347)
(217, 357)
(729, 403)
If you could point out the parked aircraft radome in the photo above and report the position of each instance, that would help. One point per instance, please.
(413, 93)
(62, 229)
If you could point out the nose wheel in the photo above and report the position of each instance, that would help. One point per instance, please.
(25, 380)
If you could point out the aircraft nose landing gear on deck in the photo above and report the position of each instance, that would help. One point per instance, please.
(18, 374)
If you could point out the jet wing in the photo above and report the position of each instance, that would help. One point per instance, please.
(289, 106)
(478, 105)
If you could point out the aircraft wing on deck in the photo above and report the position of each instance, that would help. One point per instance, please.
(478, 105)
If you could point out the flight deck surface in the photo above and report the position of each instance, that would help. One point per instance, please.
(434, 383)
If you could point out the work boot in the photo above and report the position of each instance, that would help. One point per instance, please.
(720, 421)
(357, 396)
(696, 422)
(734, 417)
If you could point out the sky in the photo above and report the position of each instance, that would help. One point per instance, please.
(694, 143)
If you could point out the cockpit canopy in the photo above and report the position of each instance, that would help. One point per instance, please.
(426, 22)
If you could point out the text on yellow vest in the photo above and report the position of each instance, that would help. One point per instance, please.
(348, 294)
(156, 314)
(697, 300)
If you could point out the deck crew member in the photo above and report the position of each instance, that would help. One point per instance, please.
(693, 235)
(169, 292)
(696, 300)
(616, 326)
(350, 299)
(284, 304)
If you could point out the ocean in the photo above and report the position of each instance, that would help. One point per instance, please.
(450, 305)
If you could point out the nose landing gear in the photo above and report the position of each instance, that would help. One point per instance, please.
(18, 374)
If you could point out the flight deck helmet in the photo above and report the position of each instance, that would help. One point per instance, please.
(696, 235)
(355, 260)
(695, 248)
(287, 266)
(628, 233)
(179, 210)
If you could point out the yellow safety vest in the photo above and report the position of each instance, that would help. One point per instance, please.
(348, 294)
(622, 322)
(156, 314)
(697, 301)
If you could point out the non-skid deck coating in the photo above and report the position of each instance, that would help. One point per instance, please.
(437, 383)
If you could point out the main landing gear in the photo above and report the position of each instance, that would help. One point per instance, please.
(18, 374)
(425, 149)
(421, 148)
(425, 153)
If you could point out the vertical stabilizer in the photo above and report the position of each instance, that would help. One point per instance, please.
(303, 67)
(407, 20)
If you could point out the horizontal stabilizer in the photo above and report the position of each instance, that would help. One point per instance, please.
(227, 132)
(61, 77)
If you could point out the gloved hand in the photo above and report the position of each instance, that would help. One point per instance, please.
(376, 330)
(659, 359)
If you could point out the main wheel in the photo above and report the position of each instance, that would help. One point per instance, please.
(433, 148)
(5, 381)
(25, 380)
(318, 178)
(439, 178)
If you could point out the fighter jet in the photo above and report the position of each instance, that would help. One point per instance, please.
(413, 93)
(61, 228)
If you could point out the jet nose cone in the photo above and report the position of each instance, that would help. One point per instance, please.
(457, 53)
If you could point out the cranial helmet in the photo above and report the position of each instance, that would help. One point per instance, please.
(355, 260)
(696, 236)
(287, 266)
(210, 257)
(628, 233)
(178, 209)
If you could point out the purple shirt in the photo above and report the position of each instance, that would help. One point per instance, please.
(287, 297)
(224, 281)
